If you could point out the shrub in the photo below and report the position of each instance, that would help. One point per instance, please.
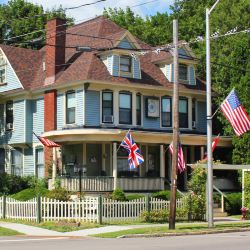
(10, 184)
(131, 197)
(165, 195)
(29, 193)
(233, 203)
(118, 195)
(59, 194)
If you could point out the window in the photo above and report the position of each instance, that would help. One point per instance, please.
(2, 74)
(125, 64)
(40, 163)
(17, 162)
(70, 107)
(183, 113)
(125, 108)
(183, 72)
(166, 112)
(193, 113)
(9, 115)
(107, 107)
(138, 109)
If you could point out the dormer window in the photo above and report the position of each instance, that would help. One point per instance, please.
(125, 64)
(183, 72)
(2, 70)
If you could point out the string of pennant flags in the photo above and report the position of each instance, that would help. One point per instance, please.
(169, 46)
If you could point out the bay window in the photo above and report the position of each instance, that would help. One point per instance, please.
(107, 107)
(70, 107)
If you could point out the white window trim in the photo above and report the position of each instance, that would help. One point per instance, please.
(65, 108)
(172, 115)
(113, 95)
(132, 104)
(5, 116)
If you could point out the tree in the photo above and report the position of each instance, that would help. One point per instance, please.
(19, 17)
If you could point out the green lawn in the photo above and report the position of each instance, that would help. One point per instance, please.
(8, 232)
(185, 228)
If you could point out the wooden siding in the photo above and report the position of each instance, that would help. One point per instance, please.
(192, 80)
(136, 68)
(28, 168)
(60, 111)
(168, 72)
(11, 79)
(125, 44)
(79, 107)
(29, 120)
(92, 109)
(116, 65)
(38, 118)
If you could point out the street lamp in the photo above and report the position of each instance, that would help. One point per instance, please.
(81, 170)
(209, 123)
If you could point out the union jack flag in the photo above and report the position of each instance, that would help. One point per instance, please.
(235, 113)
(181, 160)
(46, 142)
(134, 154)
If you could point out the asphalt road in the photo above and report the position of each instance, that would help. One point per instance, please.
(229, 241)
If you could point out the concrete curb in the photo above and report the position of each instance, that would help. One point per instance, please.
(183, 234)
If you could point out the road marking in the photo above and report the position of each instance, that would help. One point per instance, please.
(41, 239)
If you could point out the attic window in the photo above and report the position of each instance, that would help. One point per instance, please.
(125, 64)
(183, 72)
(2, 70)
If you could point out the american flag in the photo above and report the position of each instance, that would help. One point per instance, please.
(235, 113)
(134, 154)
(181, 161)
(46, 142)
(214, 144)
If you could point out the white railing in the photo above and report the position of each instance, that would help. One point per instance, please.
(22, 210)
(90, 209)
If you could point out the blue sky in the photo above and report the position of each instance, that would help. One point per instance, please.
(94, 10)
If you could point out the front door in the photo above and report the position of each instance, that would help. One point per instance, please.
(94, 159)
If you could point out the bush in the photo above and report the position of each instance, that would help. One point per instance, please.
(10, 184)
(29, 193)
(59, 194)
(118, 195)
(131, 197)
(165, 195)
(233, 203)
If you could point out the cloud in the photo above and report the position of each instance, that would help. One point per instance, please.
(87, 12)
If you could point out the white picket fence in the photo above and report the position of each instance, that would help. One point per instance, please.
(90, 209)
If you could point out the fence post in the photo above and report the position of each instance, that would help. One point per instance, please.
(100, 209)
(148, 202)
(4, 207)
(39, 210)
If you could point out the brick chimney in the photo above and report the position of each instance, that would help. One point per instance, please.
(55, 48)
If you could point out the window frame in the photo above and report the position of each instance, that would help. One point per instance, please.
(171, 111)
(67, 109)
(187, 113)
(14, 166)
(187, 73)
(7, 115)
(131, 107)
(3, 66)
(112, 107)
(129, 71)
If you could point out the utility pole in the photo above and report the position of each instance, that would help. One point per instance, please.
(175, 129)
(209, 122)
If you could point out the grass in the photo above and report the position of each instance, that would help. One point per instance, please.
(185, 228)
(8, 232)
(62, 226)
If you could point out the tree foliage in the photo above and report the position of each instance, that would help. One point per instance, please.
(230, 55)
(19, 17)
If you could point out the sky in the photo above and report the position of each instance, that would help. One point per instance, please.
(149, 8)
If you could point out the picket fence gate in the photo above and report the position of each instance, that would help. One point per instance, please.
(91, 209)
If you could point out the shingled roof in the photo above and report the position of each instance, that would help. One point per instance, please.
(97, 33)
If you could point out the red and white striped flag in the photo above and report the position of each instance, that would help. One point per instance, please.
(214, 144)
(46, 142)
(235, 113)
(181, 160)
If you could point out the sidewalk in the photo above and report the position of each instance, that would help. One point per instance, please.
(36, 231)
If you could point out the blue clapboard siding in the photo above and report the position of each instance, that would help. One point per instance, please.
(116, 65)
(17, 135)
(125, 44)
(192, 80)
(110, 64)
(183, 53)
(60, 111)
(79, 107)
(29, 120)
(38, 117)
(201, 119)
(92, 109)
(149, 123)
(28, 168)
(136, 68)
(168, 72)
(11, 79)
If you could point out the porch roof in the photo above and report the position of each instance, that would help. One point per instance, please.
(109, 135)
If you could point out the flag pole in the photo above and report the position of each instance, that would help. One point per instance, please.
(122, 140)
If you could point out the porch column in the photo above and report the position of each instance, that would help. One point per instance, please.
(202, 152)
(54, 168)
(115, 164)
(162, 164)
(103, 158)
